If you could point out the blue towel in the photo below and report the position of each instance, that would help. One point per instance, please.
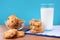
(53, 33)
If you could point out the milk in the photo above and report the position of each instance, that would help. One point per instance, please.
(47, 18)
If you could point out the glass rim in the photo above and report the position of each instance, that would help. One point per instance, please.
(47, 4)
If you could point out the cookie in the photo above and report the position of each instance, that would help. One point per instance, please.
(13, 22)
(10, 33)
(33, 31)
(36, 26)
(20, 34)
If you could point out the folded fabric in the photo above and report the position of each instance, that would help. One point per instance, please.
(53, 33)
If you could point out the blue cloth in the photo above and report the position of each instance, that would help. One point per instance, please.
(53, 33)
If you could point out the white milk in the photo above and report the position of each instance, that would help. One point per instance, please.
(47, 18)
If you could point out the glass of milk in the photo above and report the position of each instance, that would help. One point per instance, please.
(47, 14)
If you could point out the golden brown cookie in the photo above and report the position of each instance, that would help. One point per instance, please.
(32, 22)
(10, 33)
(13, 22)
(33, 31)
(41, 29)
(20, 34)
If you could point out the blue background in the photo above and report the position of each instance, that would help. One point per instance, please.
(26, 9)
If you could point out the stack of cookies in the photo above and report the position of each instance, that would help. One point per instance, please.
(36, 26)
